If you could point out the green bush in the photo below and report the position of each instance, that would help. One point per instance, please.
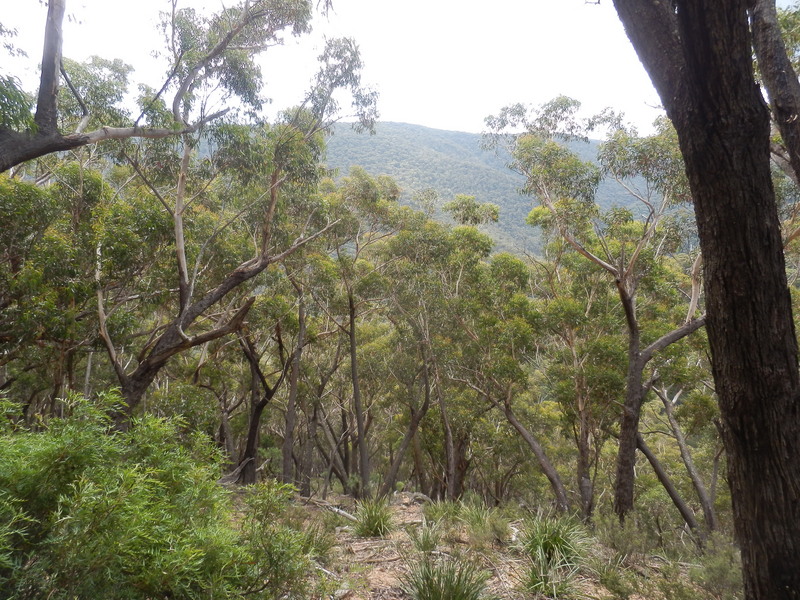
(720, 569)
(426, 537)
(450, 579)
(632, 540)
(556, 548)
(554, 540)
(86, 512)
(445, 511)
(374, 518)
(484, 525)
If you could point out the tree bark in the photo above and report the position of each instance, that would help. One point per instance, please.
(702, 494)
(287, 465)
(416, 419)
(635, 392)
(261, 395)
(560, 492)
(666, 482)
(698, 54)
(779, 78)
(358, 405)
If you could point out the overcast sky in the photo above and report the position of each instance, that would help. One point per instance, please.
(441, 63)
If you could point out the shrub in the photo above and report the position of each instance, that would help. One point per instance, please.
(450, 579)
(86, 512)
(630, 540)
(720, 569)
(484, 525)
(374, 518)
(554, 540)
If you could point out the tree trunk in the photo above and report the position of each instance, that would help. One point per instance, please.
(666, 482)
(307, 453)
(583, 472)
(635, 392)
(560, 492)
(699, 57)
(779, 78)
(702, 494)
(287, 466)
(629, 424)
(358, 407)
(416, 419)
(419, 468)
(258, 403)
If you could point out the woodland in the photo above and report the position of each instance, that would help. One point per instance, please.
(234, 364)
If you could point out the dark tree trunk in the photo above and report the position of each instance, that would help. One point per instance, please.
(779, 78)
(699, 57)
(419, 467)
(307, 453)
(666, 482)
(250, 454)
(261, 393)
(629, 424)
(461, 464)
(449, 446)
(337, 463)
(584, 474)
(635, 391)
(416, 419)
(559, 491)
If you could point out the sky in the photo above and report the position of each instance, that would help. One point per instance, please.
(446, 64)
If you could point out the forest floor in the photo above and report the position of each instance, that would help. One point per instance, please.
(364, 568)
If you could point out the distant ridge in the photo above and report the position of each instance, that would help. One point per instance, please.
(451, 162)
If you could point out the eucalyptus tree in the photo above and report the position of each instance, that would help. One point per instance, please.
(582, 363)
(261, 180)
(700, 58)
(628, 250)
(367, 213)
(203, 53)
(421, 260)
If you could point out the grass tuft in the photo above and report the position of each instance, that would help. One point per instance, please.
(450, 579)
(374, 518)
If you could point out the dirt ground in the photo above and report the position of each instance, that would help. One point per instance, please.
(373, 568)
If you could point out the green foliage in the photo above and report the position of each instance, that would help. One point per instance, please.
(465, 210)
(15, 105)
(318, 542)
(556, 548)
(193, 37)
(448, 579)
(485, 525)
(87, 512)
(374, 518)
(445, 511)
(426, 537)
(720, 570)
(101, 85)
(630, 540)
(615, 577)
(550, 166)
(554, 540)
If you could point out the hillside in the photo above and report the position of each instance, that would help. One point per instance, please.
(451, 162)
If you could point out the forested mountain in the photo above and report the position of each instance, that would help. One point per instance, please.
(453, 162)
